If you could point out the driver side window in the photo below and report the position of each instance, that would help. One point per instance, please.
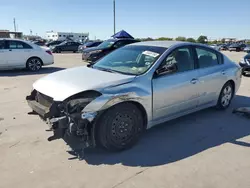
(182, 58)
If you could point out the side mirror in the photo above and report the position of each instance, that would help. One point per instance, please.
(166, 69)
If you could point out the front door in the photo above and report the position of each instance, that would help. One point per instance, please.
(3, 59)
(176, 92)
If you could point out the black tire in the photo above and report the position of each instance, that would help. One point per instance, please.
(58, 51)
(34, 64)
(120, 127)
(226, 96)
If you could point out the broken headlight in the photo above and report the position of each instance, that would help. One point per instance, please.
(78, 102)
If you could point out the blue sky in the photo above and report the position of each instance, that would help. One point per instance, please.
(141, 18)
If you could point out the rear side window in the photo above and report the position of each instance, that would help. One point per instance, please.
(18, 45)
(207, 58)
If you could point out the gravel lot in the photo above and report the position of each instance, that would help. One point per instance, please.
(207, 149)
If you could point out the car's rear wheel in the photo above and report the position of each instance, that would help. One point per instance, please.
(34, 64)
(226, 96)
(58, 50)
(120, 127)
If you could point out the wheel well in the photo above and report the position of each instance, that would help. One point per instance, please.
(138, 105)
(143, 111)
(34, 57)
(233, 84)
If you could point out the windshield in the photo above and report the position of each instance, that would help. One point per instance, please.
(106, 44)
(131, 60)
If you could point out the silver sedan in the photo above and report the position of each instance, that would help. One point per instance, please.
(133, 89)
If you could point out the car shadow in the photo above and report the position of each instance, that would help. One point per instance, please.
(23, 72)
(180, 138)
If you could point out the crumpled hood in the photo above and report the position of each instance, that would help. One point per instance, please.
(63, 84)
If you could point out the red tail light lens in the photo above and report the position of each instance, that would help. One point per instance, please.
(49, 52)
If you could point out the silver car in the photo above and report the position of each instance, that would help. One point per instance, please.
(133, 89)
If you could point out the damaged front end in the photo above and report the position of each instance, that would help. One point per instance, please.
(67, 118)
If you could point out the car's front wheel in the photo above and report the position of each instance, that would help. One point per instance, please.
(226, 96)
(120, 127)
(34, 64)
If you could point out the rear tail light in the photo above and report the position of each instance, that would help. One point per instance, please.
(49, 52)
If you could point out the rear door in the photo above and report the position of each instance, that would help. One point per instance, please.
(3, 57)
(212, 74)
(18, 53)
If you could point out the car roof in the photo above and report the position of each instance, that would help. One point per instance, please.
(117, 39)
(11, 39)
(165, 44)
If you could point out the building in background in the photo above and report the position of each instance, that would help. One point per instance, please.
(10, 34)
(52, 35)
(32, 37)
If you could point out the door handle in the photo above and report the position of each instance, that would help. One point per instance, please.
(223, 72)
(194, 81)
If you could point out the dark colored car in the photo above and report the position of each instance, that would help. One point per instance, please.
(39, 43)
(89, 45)
(237, 47)
(224, 47)
(91, 55)
(65, 46)
(245, 64)
(53, 43)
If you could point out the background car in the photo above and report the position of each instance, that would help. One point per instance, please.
(19, 54)
(89, 45)
(215, 46)
(237, 47)
(247, 49)
(40, 42)
(224, 47)
(91, 55)
(53, 43)
(134, 88)
(66, 46)
(245, 64)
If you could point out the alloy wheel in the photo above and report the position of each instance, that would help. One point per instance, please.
(34, 64)
(226, 96)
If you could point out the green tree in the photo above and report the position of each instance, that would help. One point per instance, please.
(191, 40)
(164, 38)
(202, 39)
(223, 40)
(180, 39)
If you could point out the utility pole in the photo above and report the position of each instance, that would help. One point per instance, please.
(14, 21)
(114, 14)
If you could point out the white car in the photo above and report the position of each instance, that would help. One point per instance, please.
(19, 54)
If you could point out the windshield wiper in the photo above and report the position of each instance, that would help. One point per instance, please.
(105, 69)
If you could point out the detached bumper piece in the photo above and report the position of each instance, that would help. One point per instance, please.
(243, 110)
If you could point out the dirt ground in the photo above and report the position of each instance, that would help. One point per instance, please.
(208, 149)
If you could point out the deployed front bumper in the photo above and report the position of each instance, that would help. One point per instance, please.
(38, 108)
(79, 126)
